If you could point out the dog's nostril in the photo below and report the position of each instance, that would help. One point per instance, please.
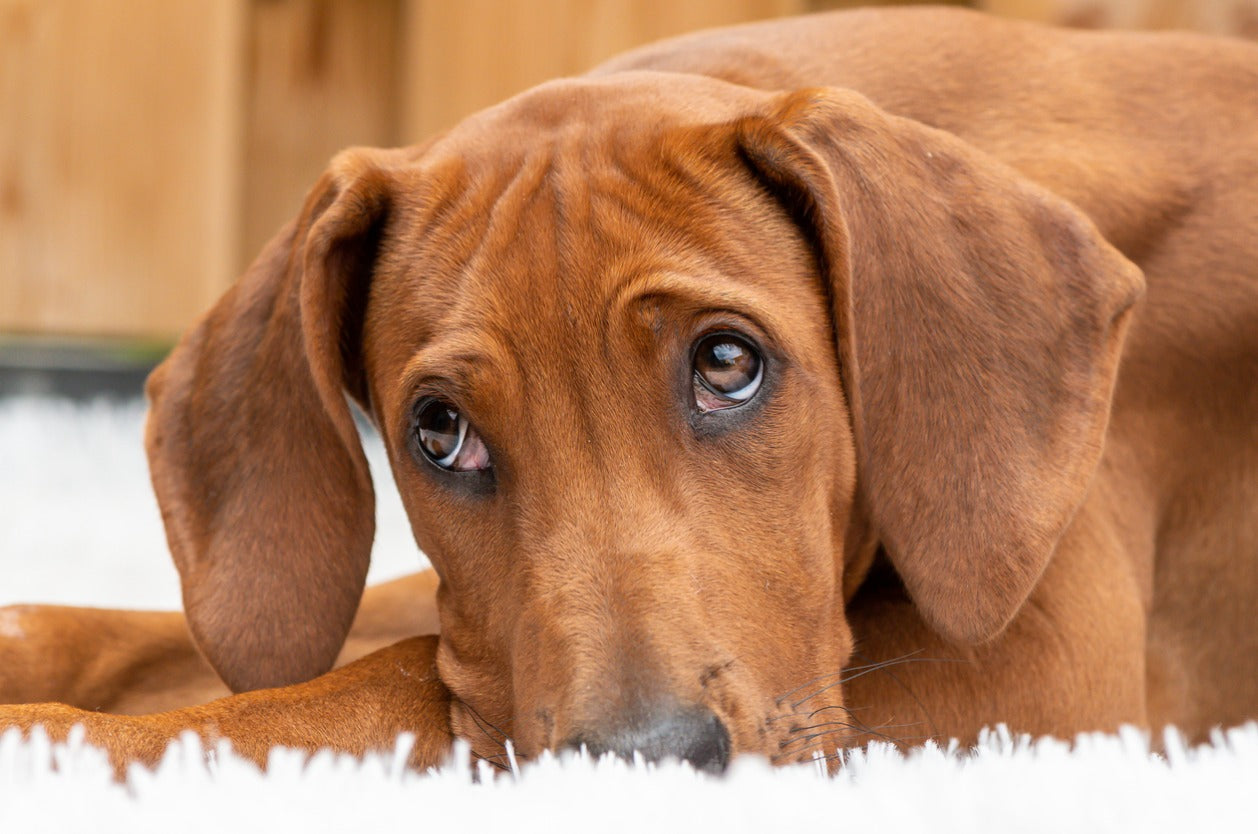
(694, 735)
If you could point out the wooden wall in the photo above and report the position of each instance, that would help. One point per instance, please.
(461, 57)
(149, 147)
(119, 162)
(1219, 17)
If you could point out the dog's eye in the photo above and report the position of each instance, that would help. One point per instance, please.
(448, 439)
(728, 372)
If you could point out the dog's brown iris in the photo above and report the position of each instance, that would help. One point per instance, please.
(448, 440)
(728, 372)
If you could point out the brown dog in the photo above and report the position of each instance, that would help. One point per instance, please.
(764, 391)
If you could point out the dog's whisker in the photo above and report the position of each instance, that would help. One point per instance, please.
(483, 722)
(840, 673)
(854, 721)
(851, 711)
(480, 725)
(840, 754)
(822, 739)
(839, 726)
(490, 760)
(485, 726)
(808, 714)
(920, 704)
(856, 725)
(853, 673)
(830, 742)
(844, 728)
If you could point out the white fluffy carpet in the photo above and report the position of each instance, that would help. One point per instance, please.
(78, 525)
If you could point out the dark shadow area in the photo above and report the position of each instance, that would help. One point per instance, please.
(75, 371)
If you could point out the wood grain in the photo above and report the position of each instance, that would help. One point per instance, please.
(321, 76)
(119, 162)
(148, 148)
(1219, 17)
(461, 57)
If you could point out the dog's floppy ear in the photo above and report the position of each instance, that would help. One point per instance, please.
(262, 482)
(979, 321)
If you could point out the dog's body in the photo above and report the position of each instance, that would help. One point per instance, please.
(954, 459)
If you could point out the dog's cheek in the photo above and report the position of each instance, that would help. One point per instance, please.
(797, 486)
(472, 553)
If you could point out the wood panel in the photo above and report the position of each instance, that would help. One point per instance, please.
(461, 57)
(321, 76)
(1220, 17)
(118, 161)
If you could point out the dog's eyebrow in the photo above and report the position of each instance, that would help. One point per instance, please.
(691, 293)
(459, 362)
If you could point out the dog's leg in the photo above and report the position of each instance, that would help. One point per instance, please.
(134, 662)
(101, 659)
(357, 709)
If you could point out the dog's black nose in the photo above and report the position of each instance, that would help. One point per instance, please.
(693, 734)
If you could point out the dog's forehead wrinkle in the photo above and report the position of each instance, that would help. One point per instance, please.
(549, 228)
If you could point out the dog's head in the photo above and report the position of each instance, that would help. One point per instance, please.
(659, 363)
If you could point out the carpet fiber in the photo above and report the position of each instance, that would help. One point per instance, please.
(79, 526)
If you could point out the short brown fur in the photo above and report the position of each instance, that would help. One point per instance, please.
(1002, 469)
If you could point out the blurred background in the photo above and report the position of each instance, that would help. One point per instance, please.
(148, 148)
